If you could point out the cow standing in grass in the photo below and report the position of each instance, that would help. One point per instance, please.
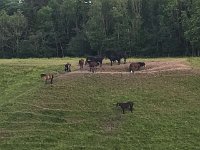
(68, 67)
(126, 105)
(97, 59)
(81, 63)
(47, 77)
(116, 56)
(113, 59)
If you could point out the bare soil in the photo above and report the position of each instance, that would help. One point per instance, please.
(151, 67)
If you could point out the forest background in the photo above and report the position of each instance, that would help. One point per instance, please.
(59, 28)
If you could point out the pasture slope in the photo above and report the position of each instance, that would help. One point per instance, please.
(78, 111)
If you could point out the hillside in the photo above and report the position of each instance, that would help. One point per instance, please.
(79, 110)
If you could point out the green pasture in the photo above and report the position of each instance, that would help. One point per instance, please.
(78, 111)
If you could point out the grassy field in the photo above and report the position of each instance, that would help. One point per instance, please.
(78, 111)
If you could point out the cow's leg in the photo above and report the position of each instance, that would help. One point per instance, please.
(86, 61)
(118, 62)
(123, 110)
(124, 60)
(96, 69)
(111, 63)
(138, 68)
(131, 108)
(100, 63)
(51, 80)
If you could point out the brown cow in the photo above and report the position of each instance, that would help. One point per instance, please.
(47, 77)
(126, 105)
(141, 64)
(81, 63)
(68, 67)
(136, 66)
(93, 65)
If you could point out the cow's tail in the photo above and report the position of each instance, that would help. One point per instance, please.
(130, 69)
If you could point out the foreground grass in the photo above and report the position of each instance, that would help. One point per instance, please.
(78, 111)
(20, 76)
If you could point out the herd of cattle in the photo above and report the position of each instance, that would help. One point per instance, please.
(94, 61)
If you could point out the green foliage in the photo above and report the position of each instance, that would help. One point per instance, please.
(11, 31)
(79, 45)
(56, 28)
(191, 24)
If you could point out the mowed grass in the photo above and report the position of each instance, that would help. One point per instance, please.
(78, 111)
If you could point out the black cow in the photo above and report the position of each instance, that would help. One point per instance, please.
(126, 105)
(116, 56)
(47, 77)
(122, 54)
(98, 59)
(68, 67)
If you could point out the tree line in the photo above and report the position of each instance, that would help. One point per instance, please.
(59, 28)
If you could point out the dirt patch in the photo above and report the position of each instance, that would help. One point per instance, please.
(151, 67)
(161, 66)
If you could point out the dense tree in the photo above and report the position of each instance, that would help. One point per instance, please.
(11, 33)
(192, 26)
(58, 28)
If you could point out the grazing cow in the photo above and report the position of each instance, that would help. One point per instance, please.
(81, 63)
(47, 77)
(126, 105)
(93, 65)
(136, 66)
(68, 67)
(98, 59)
